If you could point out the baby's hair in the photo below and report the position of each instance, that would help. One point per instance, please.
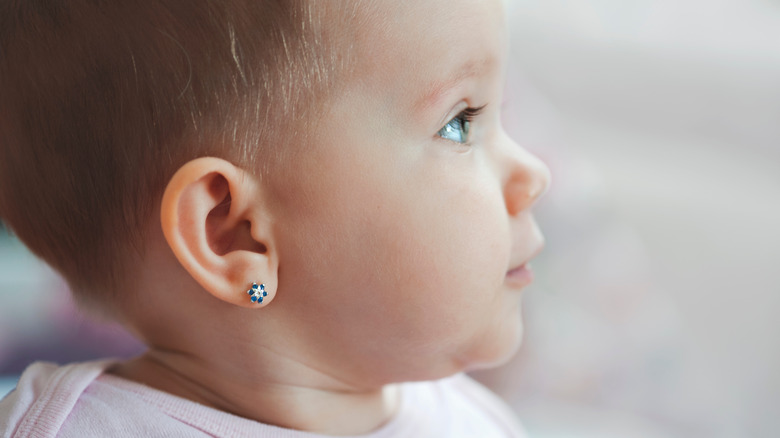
(101, 101)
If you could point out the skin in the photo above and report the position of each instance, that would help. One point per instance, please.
(384, 247)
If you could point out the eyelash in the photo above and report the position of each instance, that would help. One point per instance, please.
(467, 116)
(470, 113)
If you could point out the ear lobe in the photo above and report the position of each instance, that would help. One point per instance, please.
(215, 223)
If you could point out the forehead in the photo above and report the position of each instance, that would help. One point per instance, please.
(421, 48)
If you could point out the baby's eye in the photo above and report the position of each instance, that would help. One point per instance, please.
(458, 128)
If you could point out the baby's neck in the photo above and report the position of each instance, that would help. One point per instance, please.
(277, 399)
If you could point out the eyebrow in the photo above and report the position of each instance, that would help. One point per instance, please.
(468, 70)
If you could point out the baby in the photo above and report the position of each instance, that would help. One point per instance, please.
(307, 210)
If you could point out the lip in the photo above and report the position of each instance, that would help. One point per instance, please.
(520, 276)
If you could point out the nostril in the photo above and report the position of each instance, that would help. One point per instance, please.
(527, 178)
(518, 198)
(528, 181)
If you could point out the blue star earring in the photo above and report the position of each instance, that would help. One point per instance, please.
(257, 292)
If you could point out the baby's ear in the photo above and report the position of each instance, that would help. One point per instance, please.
(216, 223)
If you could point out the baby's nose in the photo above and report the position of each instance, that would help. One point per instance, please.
(528, 178)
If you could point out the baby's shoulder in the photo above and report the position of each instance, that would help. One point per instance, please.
(44, 397)
(79, 400)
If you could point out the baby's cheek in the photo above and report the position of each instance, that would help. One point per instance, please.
(466, 270)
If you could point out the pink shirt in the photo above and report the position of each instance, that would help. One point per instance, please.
(79, 400)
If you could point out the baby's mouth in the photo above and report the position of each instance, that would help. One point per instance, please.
(520, 276)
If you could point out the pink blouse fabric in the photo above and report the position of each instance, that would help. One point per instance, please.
(80, 400)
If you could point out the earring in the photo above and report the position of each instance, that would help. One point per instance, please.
(257, 292)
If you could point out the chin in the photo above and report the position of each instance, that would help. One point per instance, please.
(496, 348)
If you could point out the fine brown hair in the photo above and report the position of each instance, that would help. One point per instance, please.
(101, 101)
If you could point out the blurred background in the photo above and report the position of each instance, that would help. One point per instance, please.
(654, 310)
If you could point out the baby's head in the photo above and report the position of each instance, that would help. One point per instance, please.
(101, 102)
(347, 155)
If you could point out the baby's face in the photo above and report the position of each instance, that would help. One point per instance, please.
(399, 224)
